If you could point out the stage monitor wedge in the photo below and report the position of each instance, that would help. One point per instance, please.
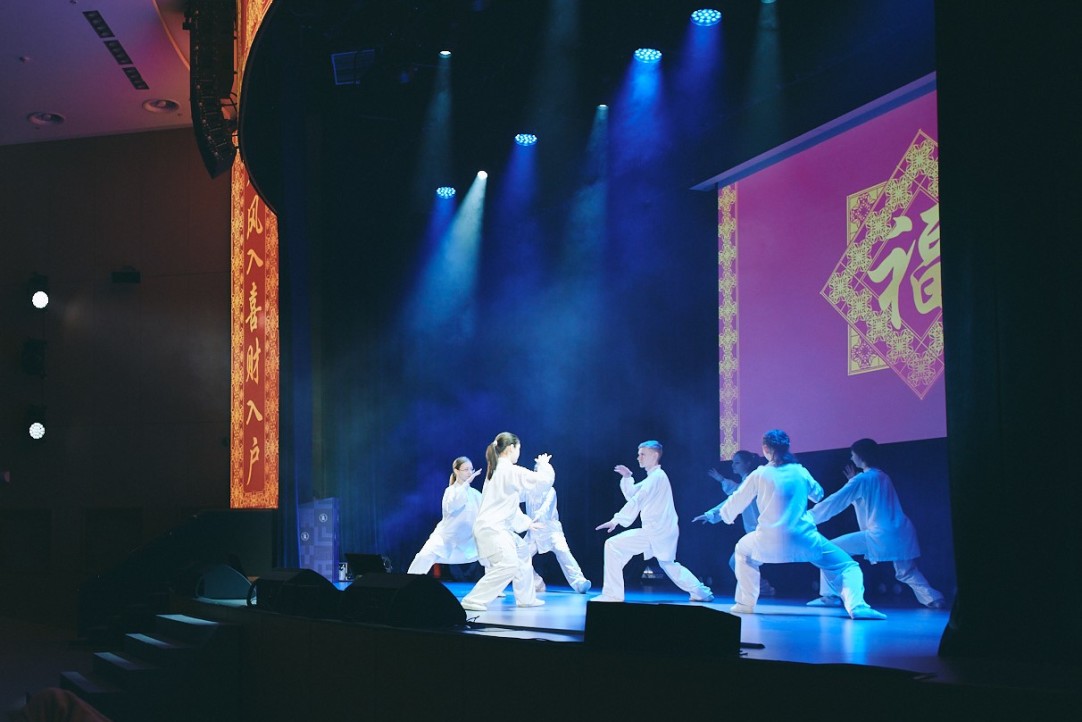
(401, 600)
(662, 629)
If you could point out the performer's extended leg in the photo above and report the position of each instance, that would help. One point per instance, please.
(842, 573)
(747, 574)
(568, 565)
(853, 544)
(522, 583)
(906, 572)
(683, 578)
(618, 550)
(424, 559)
(502, 564)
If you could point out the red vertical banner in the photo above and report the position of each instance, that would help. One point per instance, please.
(255, 353)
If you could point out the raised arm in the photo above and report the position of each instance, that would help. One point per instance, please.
(837, 502)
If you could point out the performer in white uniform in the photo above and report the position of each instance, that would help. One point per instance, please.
(503, 552)
(547, 535)
(886, 534)
(451, 542)
(785, 532)
(744, 462)
(651, 499)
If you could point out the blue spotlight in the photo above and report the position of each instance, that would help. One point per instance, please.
(648, 55)
(482, 174)
(445, 192)
(447, 53)
(706, 17)
(525, 139)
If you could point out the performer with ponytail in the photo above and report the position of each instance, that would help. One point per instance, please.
(503, 552)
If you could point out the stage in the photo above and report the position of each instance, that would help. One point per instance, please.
(297, 666)
(783, 630)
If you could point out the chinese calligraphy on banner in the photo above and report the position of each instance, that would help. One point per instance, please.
(254, 365)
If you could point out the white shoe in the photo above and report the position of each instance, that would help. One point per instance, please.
(865, 612)
(702, 595)
(473, 606)
(582, 586)
(539, 587)
(742, 609)
(534, 603)
(825, 602)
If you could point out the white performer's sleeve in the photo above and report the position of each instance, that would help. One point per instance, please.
(454, 499)
(839, 501)
(739, 500)
(637, 496)
(547, 509)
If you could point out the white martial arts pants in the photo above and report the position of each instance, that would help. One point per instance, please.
(619, 550)
(506, 558)
(568, 565)
(905, 570)
(838, 567)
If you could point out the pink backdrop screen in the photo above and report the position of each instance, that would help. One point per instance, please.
(829, 304)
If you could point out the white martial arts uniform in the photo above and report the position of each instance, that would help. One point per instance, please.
(503, 552)
(451, 542)
(785, 533)
(886, 534)
(650, 499)
(547, 535)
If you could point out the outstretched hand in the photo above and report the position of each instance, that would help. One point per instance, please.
(850, 471)
(716, 476)
(622, 470)
(543, 459)
(473, 475)
(702, 518)
(607, 526)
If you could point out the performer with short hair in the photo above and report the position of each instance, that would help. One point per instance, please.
(651, 499)
(886, 534)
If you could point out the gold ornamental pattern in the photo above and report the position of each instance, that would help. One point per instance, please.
(887, 284)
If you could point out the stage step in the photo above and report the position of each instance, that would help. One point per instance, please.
(186, 668)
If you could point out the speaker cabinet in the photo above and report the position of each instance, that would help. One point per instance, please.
(300, 592)
(401, 600)
(662, 629)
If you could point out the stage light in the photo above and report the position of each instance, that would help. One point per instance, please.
(445, 192)
(602, 106)
(35, 420)
(482, 174)
(38, 289)
(648, 55)
(445, 53)
(525, 139)
(706, 17)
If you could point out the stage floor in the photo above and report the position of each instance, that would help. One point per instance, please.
(781, 629)
(787, 630)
